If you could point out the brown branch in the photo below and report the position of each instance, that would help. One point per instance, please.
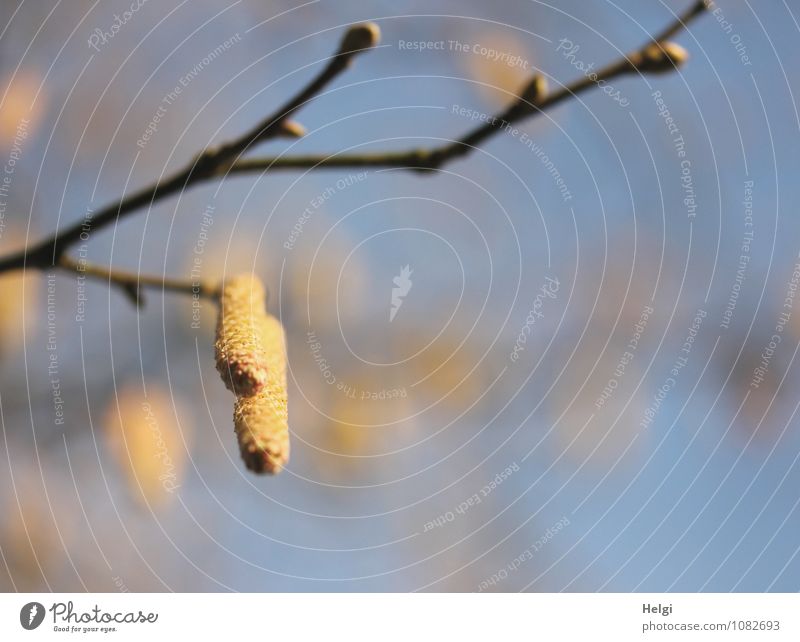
(208, 164)
(132, 283)
(698, 8)
(657, 56)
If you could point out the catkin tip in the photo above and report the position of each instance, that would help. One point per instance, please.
(261, 420)
(261, 427)
(263, 442)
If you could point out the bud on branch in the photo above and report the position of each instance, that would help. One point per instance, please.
(658, 58)
(359, 38)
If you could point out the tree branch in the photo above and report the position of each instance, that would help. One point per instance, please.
(132, 283)
(659, 55)
(210, 163)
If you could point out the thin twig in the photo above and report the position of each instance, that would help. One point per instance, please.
(656, 56)
(698, 8)
(132, 283)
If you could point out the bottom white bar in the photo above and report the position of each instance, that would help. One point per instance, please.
(401, 617)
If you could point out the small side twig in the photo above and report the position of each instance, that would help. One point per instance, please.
(133, 283)
(357, 39)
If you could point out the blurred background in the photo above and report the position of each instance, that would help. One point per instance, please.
(590, 381)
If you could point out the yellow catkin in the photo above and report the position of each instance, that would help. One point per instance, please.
(239, 350)
(261, 420)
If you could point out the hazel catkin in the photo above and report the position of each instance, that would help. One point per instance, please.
(239, 349)
(261, 420)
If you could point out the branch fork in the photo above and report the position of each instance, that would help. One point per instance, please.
(657, 56)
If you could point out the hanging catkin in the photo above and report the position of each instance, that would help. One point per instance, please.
(239, 350)
(251, 357)
(261, 420)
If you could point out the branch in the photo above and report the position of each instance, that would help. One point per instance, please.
(357, 39)
(682, 21)
(657, 56)
(132, 283)
(210, 163)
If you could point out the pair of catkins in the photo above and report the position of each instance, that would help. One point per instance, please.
(250, 351)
